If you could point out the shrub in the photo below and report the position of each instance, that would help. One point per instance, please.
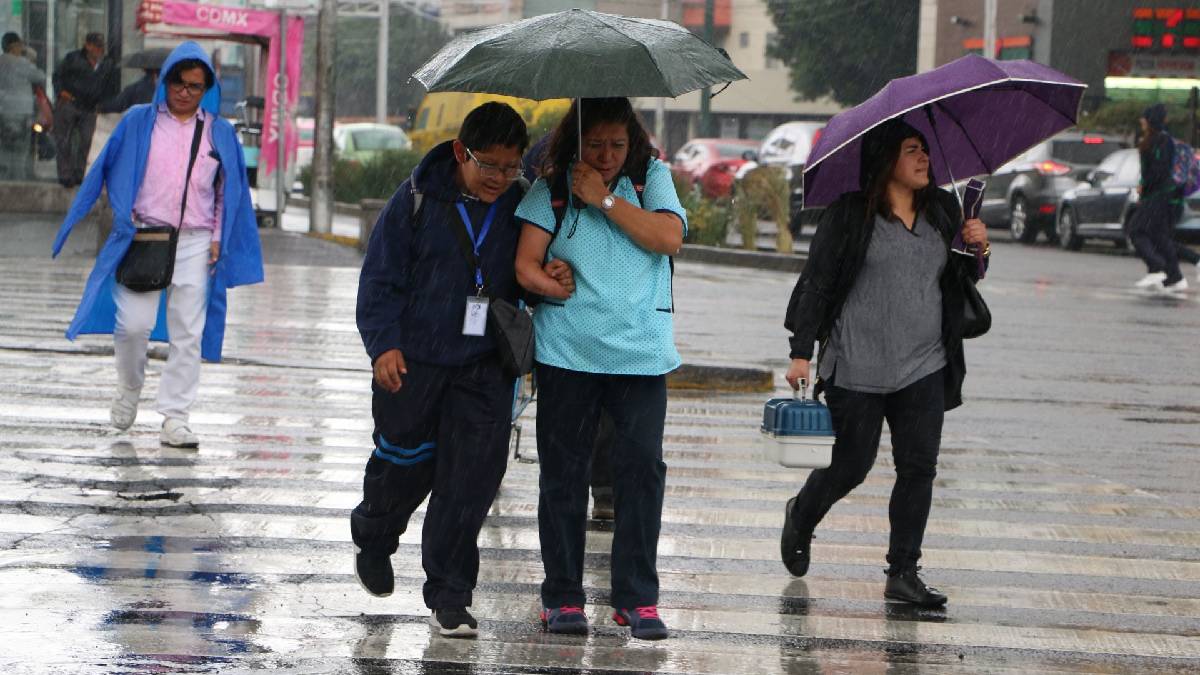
(763, 190)
(376, 178)
(708, 220)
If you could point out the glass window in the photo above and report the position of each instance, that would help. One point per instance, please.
(1081, 152)
(771, 63)
(744, 40)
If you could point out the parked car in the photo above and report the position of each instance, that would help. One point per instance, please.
(360, 141)
(786, 147)
(1100, 207)
(1024, 194)
(710, 163)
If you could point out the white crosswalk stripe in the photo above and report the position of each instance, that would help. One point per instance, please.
(117, 553)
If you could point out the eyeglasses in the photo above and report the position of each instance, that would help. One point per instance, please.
(510, 173)
(192, 88)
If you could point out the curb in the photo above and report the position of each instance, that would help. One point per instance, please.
(778, 262)
(708, 377)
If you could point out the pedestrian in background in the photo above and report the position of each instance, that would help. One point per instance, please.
(145, 167)
(601, 475)
(442, 405)
(18, 78)
(79, 81)
(1152, 227)
(606, 347)
(141, 91)
(879, 292)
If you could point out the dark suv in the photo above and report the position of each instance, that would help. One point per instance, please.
(1024, 194)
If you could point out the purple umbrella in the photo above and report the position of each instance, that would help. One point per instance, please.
(976, 114)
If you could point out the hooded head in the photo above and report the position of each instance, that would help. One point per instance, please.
(189, 56)
(1156, 116)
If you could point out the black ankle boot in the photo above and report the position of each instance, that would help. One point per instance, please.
(907, 586)
(794, 547)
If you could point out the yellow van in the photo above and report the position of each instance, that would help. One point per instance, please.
(440, 115)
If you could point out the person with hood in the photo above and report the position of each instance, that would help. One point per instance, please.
(144, 167)
(442, 249)
(880, 291)
(1152, 227)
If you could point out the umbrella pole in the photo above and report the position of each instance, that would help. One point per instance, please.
(942, 152)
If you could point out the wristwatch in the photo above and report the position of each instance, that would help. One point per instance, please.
(608, 202)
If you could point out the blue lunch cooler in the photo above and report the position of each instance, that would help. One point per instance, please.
(798, 432)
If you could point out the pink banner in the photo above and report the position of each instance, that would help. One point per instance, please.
(287, 85)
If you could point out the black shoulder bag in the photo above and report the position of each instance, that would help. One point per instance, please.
(511, 326)
(149, 263)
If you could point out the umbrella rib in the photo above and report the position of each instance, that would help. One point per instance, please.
(971, 141)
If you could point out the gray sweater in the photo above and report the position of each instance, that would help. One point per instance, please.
(889, 333)
(17, 77)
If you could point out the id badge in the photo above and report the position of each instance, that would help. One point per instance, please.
(475, 320)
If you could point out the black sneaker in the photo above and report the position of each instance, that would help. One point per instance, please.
(374, 573)
(455, 622)
(794, 547)
(907, 586)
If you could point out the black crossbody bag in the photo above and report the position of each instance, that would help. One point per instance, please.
(511, 326)
(149, 263)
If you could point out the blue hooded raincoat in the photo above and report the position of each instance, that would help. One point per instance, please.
(120, 167)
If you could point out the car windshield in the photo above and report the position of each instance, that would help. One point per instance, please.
(378, 139)
(732, 151)
(1089, 150)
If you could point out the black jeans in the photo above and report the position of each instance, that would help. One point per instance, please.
(73, 129)
(914, 416)
(445, 432)
(1152, 231)
(569, 403)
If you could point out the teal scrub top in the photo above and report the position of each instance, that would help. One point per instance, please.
(619, 319)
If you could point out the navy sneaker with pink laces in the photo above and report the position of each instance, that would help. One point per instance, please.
(566, 620)
(643, 622)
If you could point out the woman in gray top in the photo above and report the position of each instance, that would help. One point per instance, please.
(882, 293)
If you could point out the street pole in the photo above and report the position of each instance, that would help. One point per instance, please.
(989, 28)
(660, 107)
(320, 212)
(381, 63)
(705, 93)
(281, 87)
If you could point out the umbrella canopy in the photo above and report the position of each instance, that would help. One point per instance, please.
(976, 114)
(578, 54)
(147, 59)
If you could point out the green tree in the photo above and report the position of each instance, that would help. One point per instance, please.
(845, 49)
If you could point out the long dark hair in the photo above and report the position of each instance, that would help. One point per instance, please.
(880, 152)
(564, 142)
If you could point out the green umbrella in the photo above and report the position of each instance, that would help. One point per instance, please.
(578, 54)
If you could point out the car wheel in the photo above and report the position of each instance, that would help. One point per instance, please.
(1018, 221)
(1068, 239)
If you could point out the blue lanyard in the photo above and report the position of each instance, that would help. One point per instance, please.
(476, 242)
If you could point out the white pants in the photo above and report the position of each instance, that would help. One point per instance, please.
(187, 303)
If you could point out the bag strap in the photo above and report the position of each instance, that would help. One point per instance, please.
(187, 181)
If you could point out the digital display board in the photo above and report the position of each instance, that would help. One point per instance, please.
(1166, 28)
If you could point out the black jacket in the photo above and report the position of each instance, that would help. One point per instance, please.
(141, 91)
(415, 279)
(76, 76)
(836, 256)
(1157, 161)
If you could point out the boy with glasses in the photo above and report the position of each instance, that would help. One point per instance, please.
(441, 403)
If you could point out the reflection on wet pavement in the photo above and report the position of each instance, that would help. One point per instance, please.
(118, 555)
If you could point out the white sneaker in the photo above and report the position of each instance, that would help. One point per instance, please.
(124, 408)
(1176, 288)
(1151, 280)
(175, 433)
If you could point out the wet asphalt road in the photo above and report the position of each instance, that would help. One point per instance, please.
(1066, 522)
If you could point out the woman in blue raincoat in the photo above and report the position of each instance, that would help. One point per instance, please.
(218, 239)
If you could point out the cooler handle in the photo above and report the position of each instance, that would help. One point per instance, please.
(801, 393)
